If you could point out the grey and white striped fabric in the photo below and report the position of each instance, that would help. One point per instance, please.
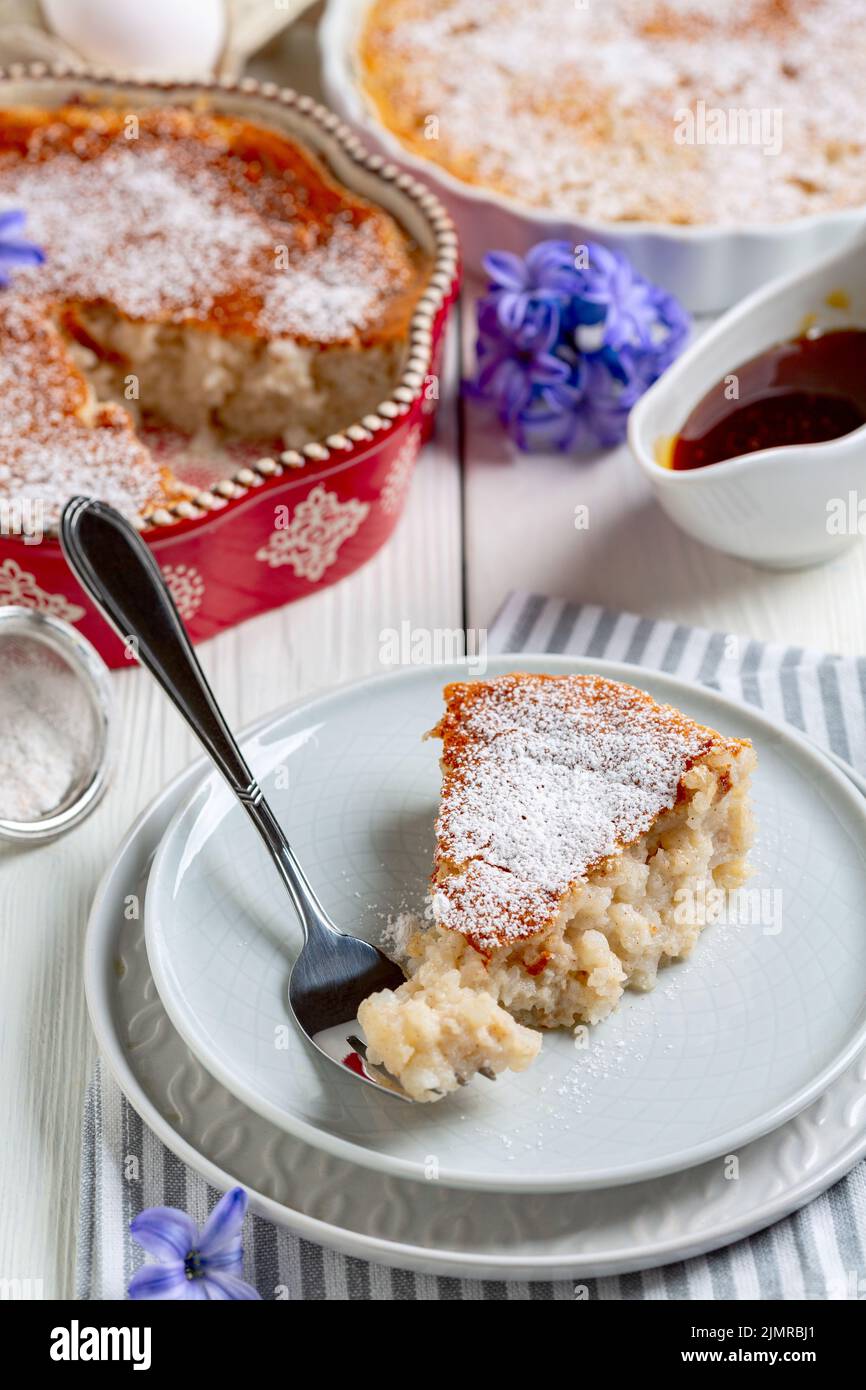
(811, 1254)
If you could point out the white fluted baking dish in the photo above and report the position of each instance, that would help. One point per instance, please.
(707, 267)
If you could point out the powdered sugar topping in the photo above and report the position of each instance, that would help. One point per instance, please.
(544, 778)
(160, 231)
(574, 107)
(130, 227)
(319, 296)
(48, 451)
(167, 217)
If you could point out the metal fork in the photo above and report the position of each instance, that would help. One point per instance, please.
(334, 971)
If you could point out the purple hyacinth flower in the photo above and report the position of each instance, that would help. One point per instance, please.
(198, 1265)
(568, 339)
(514, 365)
(635, 313)
(608, 398)
(546, 271)
(14, 249)
(533, 288)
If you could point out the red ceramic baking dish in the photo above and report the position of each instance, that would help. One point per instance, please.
(283, 527)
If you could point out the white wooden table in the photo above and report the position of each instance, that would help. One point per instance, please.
(479, 522)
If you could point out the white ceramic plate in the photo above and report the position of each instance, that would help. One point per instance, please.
(426, 1227)
(731, 1043)
(707, 267)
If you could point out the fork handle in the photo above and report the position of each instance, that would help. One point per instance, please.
(119, 572)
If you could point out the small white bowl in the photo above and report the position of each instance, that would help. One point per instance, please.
(782, 508)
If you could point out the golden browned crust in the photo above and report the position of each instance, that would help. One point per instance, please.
(259, 174)
(179, 217)
(544, 778)
(578, 109)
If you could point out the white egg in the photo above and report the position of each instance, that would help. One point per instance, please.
(163, 38)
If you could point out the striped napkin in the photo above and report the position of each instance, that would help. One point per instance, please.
(811, 1254)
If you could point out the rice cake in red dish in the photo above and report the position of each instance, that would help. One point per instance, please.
(200, 270)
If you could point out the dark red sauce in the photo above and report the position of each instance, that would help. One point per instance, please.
(800, 392)
(354, 1063)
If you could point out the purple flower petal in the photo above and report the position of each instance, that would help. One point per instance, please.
(589, 309)
(614, 363)
(530, 323)
(513, 389)
(165, 1233)
(491, 382)
(221, 1287)
(506, 270)
(12, 220)
(488, 320)
(488, 373)
(547, 254)
(546, 327)
(511, 311)
(14, 249)
(230, 1258)
(552, 269)
(546, 368)
(223, 1226)
(161, 1281)
(21, 253)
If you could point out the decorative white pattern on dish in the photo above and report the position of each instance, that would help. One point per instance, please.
(17, 586)
(186, 587)
(311, 542)
(399, 477)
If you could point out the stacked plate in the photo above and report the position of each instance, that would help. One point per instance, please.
(694, 1115)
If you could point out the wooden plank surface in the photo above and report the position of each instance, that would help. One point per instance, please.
(520, 533)
(516, 517)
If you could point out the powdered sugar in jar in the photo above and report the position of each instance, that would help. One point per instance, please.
(55, 724)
